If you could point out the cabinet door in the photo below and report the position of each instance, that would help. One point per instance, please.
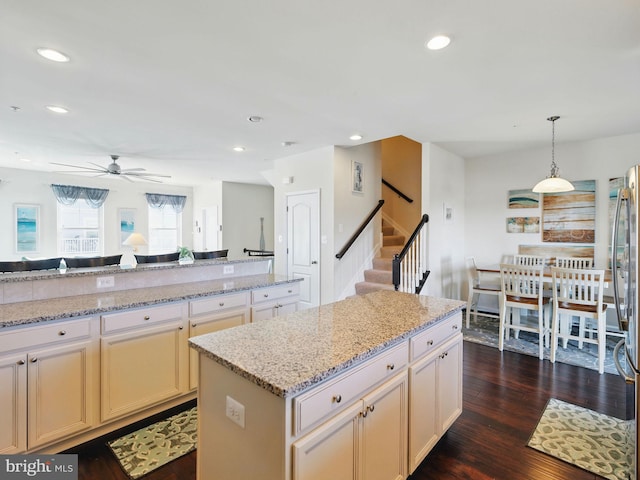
(60, 392)
(285, 308)
(263, 312)
(209, 324)
(143, 367)
(330, 451)
(13, 404)
(384, 432)
(450, 383)
(423, 418)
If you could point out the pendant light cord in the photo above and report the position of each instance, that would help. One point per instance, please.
(554, 167)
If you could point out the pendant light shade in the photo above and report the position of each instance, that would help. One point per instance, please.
(553, 183)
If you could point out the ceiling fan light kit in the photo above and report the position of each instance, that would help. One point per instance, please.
(553, 183)
(114, 169)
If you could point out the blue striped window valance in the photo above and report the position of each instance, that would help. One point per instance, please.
(159, 200)
(69, 194)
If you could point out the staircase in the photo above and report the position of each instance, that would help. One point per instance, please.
(380, 276)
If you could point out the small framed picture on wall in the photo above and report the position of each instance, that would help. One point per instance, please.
(27, 228)
(357, 177)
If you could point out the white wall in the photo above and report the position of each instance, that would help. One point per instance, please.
(242, 206)
(350, 211)
(32, 187)
(443, 180)
(487, 181)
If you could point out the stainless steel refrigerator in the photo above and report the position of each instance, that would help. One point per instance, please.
(624, 264)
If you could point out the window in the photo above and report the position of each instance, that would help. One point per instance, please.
(165, 232)
(80, 230)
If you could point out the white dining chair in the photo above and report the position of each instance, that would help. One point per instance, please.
(574, 262)
(532, 260)
(579, 292)
(478, 286)
(522, 289)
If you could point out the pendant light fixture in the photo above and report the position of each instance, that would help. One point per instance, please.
(553, 183)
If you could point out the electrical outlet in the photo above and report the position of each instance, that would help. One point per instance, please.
(105, 282)
(227, 269)
(235, 411)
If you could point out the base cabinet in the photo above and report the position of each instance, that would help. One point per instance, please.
(435, 400)
(49, 390)
(365, 442)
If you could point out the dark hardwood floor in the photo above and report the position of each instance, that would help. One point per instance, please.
(504, 396)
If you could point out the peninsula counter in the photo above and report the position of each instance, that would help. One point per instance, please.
(361, 388)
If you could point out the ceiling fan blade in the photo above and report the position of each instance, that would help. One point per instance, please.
(99, 166)
(139, 169)
(146, 174)
(146, 179)
(91, 169)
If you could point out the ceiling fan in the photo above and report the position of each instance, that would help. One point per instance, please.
(114, 169)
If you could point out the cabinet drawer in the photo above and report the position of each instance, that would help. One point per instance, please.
(217, 303)
(328, 398)
(45, 333)
(273, 293)
(114, 322)
(428, 340)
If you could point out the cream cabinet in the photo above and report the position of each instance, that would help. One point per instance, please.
(144, 358)
(365, 442)
(48, 383)
(435, 400)
(274, 301)
(211, 314)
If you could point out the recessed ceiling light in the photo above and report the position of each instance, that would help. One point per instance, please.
(438, 42)
(53, 55)
(57, 109)
(357, 136)
(238, 149)
(255, 119)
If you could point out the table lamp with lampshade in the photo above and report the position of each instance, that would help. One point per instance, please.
(128, 259)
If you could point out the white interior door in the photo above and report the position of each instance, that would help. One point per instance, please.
(211, 227)
(303, 244)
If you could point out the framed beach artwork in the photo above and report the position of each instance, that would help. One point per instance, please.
(357, 177)
(523, 199)
(127, 219)
(570, 217)
(27, 228)
(523, 225)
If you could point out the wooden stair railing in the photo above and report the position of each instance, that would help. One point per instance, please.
(361, 228)
(394, 189)
(410, 265)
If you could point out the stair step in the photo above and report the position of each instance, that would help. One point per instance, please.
(368, 287)
(380, 263)
(378, 276)
(389, 252)
(386, 230)
(389, 240)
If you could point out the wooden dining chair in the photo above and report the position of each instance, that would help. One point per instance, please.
(532, 260)
(579, 292)
(476, 288)
(574, 262)
(522, 289)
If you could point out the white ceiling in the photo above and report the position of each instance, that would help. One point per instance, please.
(169, 85)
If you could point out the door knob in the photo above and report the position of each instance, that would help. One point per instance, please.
(314, 262)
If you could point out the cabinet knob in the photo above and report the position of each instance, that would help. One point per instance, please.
(430, 342)
(20, 362)
(194, 325)
(289, 291)
(337, 398)
(62, 332)
(455, 327)
(365, 413)
(371, 408)
(266, 295)
(391, 366)
(147, 317)
(34, 359)
(221, 304)
(180, 327)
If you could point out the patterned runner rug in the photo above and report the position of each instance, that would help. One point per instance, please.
(151, 447)
(590, 440)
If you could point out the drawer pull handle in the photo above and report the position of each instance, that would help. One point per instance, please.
(34, 359)
(147, 317)
(221, 304)
(20, 362)
(430, 343)
(62, 333)
(391, 366)
(337, 398)
(289, 291)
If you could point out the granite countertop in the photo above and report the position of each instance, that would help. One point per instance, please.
(289, 354)
(21, 313)
(10, 277)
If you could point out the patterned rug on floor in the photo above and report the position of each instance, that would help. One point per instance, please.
(485, 331)
(149, 448)
(590, 440)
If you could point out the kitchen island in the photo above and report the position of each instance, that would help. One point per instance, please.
(361, 388)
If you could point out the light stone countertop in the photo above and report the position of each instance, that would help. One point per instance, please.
(289, 354)
(22, 313)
